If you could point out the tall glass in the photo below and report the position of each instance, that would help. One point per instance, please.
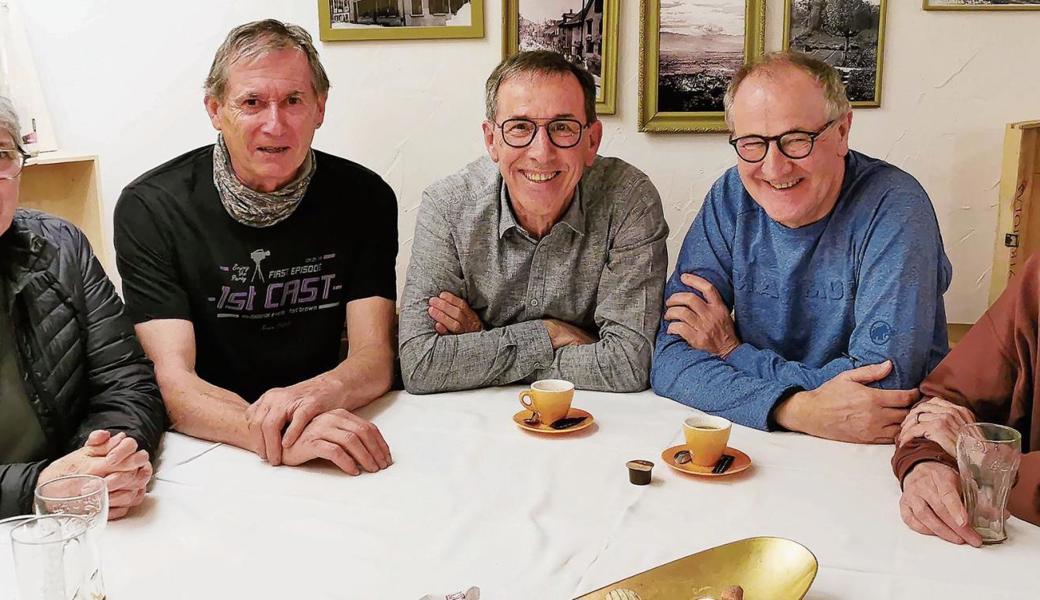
(82, 495)
(55, 558)
(988, 457)
(8, 578)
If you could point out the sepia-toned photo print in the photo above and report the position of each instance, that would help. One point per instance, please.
(585, 31)
(692, 48)
(400, 19)
(846, 34)
(982, 4)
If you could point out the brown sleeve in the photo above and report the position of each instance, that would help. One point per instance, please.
(1024, 501)
(915, 451)
(981, 371)
(987, 367)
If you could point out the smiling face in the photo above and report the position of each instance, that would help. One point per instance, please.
(540, 177)
(8, 187)
(268, 117)
(792, 192)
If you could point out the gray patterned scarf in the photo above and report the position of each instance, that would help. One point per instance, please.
(253, 208)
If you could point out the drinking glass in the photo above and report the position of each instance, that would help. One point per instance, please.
(988, 457)
(55, 558)
(82, 495)
(8, 579)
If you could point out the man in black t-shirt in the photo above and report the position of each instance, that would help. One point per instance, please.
(242, 261)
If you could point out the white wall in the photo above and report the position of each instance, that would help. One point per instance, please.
(123, 80)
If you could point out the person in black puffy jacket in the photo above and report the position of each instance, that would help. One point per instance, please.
(77, 394)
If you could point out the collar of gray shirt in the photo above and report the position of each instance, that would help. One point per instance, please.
(574, 217)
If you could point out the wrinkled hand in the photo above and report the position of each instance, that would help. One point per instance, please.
(296, 405)
(115, 458)
(344, 439)
(845, 409)
(563, 334)
(705, 324)
(452, 315)
(126, 489)
(936, 420)
(931, 504)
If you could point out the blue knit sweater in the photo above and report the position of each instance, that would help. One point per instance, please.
(862, 285)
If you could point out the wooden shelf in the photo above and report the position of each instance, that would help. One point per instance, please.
(67, 186)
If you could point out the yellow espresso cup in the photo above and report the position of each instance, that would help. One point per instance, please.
(550, 398)
(706, 438)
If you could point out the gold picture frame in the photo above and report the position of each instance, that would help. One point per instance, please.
(651, 119)
(606, 100)
(382, 21)
(929, 5)
(855, 89)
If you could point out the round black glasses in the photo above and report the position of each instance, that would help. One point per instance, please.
(563, 133)
(792, 144)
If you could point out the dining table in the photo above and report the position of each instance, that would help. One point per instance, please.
(474, 500)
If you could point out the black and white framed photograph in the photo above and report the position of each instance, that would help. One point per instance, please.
(849, 35)
(690, 49)
(981, 4)
(585, 31)
(400, 19)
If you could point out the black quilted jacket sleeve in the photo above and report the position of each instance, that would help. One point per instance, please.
(123, 394)
(119, 392)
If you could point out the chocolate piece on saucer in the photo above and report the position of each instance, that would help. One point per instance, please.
(567, 422)
(639, 471)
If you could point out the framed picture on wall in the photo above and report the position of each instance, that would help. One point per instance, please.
(585, 31)
(981, 4)
(400, 19)
(849, 35)
(689, 50)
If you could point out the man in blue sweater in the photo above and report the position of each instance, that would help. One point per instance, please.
(831, 262)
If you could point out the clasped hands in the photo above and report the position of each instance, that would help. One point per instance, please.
(115, 458)
(931, 502)
(306, 421)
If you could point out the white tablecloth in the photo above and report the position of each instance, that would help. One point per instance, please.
(473, 500)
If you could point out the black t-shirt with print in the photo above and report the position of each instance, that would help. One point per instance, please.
(268, 304)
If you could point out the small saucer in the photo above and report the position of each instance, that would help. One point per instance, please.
(519, 417)
(741, 462)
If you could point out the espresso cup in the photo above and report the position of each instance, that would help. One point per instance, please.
(706, 438)
(550, 398)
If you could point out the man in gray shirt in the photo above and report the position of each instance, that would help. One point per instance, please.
(542, 260)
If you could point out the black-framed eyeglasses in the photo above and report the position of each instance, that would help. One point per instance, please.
(793, 144)
(563, 133)
(11, 162)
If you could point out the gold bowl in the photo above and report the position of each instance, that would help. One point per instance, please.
(766, 567)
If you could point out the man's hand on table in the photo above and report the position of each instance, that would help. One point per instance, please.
(931, 504)
(290, 410)
(452, 315)
(705, 324)
(936, 420)
(115, 458)
(562, 333)
(342, 438)
(845, 409)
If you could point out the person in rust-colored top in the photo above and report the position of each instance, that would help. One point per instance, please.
(990, 376)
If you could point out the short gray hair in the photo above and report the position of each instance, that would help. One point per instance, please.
(9, 121)
(824, 74)
(260, 37)
(541, 62)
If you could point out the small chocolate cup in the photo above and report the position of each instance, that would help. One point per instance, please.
(639, 471)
